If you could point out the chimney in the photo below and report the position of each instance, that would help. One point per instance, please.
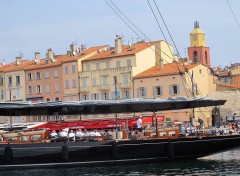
(161, 64)
(118, 44)
(83, 47)
(37, 57)
(49, 54)
(18, 60)
(73, 49)
(69, 54)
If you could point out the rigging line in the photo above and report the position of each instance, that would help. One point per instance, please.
(168, 30)
(186, 69)
(129, 20)
(233, 14)
(168, 44)
(139, 35)
(121, 18)
(141, 32)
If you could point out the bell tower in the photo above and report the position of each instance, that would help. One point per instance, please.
(198, 52)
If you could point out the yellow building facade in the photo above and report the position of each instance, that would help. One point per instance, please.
(113, 68)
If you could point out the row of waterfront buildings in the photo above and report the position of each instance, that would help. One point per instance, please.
(140, 70)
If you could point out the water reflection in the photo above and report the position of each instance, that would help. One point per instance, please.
(226, 163)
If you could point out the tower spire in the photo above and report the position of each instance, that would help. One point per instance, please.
(196, 24)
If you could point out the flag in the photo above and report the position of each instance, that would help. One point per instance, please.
(194, 85)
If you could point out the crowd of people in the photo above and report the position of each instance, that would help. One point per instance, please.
(73, 135)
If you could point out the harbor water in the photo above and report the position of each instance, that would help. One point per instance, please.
(226, 163)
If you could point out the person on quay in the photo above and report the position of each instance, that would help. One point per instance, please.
(140, 127)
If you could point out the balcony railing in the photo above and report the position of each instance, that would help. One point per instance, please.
(104, 87)
(125, 85)
(84, 89)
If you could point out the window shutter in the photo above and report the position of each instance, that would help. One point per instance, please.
(123, 95)
(97, 96)
(145, 91)
(170, 89)
(113, 95)
(128, 94)
(154, 91)
(87, 97)
(161, 90)
(107, 97)
(92, 96)
(138, 92)
(178, 89)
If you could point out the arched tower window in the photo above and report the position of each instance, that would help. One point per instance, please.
(195, 56)
(206, 57)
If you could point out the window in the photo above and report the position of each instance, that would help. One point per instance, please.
(142, 92)
(74, 84)
(174, 89)
(195, 56)
(125, 78)
(105, 96)
(38, 75)
(2, 95)
(107, 65)
(87, 67)
(57, 99)
(84, 83)
(97, 66)
(104, 80)
(66, 84)
(9, 81)
(200, 71)
(84, 97)
(126, 95)
(95, 96)
(1, 80)
(17, 80)
(129, 62)
(39, 89)
(117, 64)
(56, 88)
(18, 93)
(30, 89)
(66, 70)
(47, 75)
(48, 99)
(47, 88)
(94, 82)
(157, 90)
(206, 58)
(73, 68)
(48, 118)
(55, 73)
(30, 76)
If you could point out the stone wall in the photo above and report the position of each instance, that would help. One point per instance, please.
(231, 106)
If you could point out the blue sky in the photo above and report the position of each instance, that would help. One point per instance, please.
(28, 26)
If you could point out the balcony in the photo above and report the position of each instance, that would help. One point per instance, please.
(125, 85)
(84, 89)
(104, 87)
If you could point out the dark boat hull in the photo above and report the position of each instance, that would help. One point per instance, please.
(111, 152)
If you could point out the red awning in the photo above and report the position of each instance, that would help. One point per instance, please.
(93, 124)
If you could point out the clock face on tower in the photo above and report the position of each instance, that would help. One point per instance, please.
(194, 37)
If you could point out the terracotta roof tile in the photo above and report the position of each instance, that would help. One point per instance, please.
(168, 69)
(135, 48)
(82, 54)
(14, 67)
